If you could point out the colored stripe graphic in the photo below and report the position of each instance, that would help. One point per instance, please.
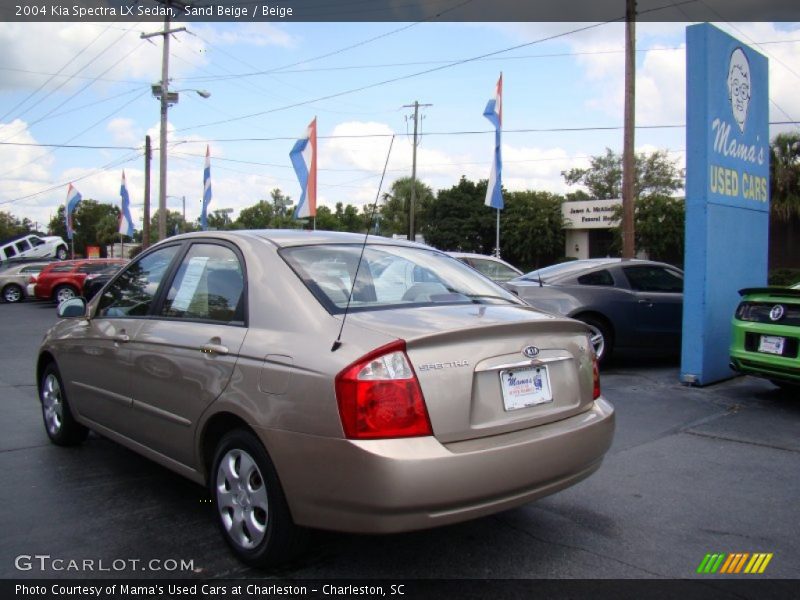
(734, 563)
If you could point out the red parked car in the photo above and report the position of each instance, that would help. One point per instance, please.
(61, 281)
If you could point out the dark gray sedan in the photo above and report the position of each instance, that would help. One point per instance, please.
(632, 305)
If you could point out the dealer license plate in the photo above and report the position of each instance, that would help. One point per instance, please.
(525, 387)
(771, 344)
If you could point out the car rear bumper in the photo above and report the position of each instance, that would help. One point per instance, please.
(746, 359)
(385, 486)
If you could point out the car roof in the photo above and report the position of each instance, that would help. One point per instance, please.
(299, 237)
(572, 267)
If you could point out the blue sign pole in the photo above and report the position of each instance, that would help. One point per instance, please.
(727, 193)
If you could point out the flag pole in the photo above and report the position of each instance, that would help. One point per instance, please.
(497, 246)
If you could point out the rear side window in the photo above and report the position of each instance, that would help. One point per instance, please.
(62, 269)
(23, 246)
(602, 277)
(134, 290)
(654, 279)
(209, 286)
(9, 251)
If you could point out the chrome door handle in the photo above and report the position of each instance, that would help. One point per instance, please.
(646, 302)
(214, 349)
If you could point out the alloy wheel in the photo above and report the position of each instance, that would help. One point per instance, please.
(52, 404)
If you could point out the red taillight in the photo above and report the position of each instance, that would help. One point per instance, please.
(596, 375)
(379, 396)
(32, 279)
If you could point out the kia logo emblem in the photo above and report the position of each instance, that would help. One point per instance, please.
(530, 351)
(776, 314)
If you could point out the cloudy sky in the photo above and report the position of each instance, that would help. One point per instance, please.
(87, 85)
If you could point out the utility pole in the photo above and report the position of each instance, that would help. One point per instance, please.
(163, 92)
(628, 237)
(413, 200)
(148, 156)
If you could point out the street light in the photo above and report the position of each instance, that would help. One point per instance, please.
(182, 199)
(167, 98)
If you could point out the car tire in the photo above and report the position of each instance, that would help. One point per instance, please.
(602, 336)
(13, 293)
(249, 503)
(61, 426)
(64, 292)
(61, 253)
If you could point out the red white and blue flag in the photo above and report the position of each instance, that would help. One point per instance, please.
(494, 112)
(304, 161)
(125, 219)
(206, 190)
(73, 198)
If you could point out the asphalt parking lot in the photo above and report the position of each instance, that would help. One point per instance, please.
(692, 471)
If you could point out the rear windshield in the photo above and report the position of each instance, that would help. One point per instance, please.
(389, 277)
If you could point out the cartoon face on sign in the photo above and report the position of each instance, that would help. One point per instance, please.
(739, 86)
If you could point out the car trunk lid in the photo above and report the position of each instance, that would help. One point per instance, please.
(476, 375)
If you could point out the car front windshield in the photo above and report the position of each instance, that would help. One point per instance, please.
(389, 277)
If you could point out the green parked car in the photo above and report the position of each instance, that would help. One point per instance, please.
(766, 332)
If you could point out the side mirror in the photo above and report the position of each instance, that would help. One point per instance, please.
(72, 308)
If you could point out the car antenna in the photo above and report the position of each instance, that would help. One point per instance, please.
(338, 342)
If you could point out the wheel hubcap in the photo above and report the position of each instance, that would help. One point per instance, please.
(598, 342)
(64, 294)
(12, 294)
(242, 499)
(52, 404)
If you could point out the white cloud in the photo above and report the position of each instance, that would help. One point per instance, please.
(124, 132)
(71, 54)
(250, 34)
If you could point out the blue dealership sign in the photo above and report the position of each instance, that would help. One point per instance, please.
(727, 193)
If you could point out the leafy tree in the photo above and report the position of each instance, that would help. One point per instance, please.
(11, 226)
(258, 216)
(654, 174)
(393, 213)
(219, 221)
(459, 220)
(532, 229)
(282, 211)
(658, 228)
(175, 223)
(784, 172)
(107, 231)
(87, 217)
(326, 220)
(349, 219)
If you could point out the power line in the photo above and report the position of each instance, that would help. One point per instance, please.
(73, 146)
(63, 83)
(424, 72)
(111, 165)
(92, 126)
(43, 85)
(280, 71)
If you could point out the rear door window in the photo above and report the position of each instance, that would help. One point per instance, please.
(654, 279)
(208, 286)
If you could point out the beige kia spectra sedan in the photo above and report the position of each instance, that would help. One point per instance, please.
(321, 380)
